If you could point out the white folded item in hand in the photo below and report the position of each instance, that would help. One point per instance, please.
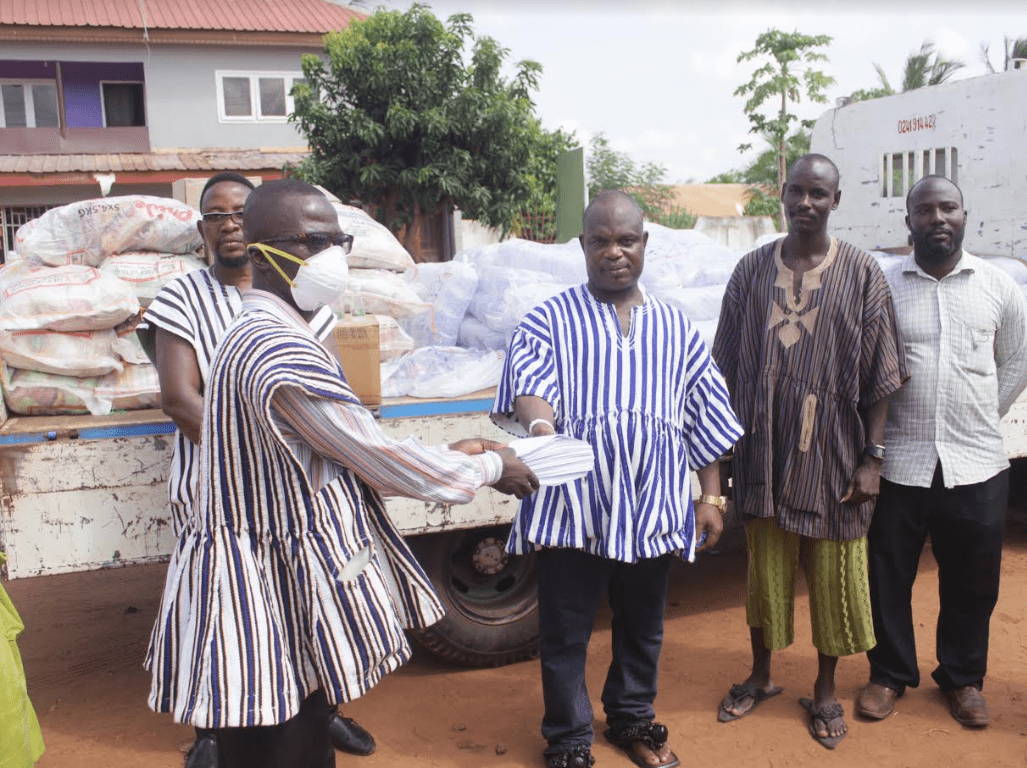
(555, 459)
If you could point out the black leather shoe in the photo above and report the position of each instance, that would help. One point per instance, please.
(204, 753)
(346, 735)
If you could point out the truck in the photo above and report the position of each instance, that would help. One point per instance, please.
(971, 131)
(90, 492)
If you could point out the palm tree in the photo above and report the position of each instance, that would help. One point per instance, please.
(923, 68)
(1013, 49)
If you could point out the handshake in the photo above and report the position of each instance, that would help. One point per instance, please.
(517, 479)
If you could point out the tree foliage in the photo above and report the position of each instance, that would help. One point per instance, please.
(399, 119)
(786, 75)
(607, 168)
(1011, 48)
(923, 68)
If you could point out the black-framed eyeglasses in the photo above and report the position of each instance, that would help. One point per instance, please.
(316, 242)
(219, 219)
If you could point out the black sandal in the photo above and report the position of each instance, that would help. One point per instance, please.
(653, 736)
(575, 757)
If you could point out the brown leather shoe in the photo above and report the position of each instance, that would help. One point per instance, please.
(968, 706)
(876, 701)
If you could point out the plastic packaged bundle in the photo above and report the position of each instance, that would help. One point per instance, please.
(89, 231)
(474, 334)
(506, 294)
(374, 246)
(702, 303)
(381, 292)
(392, 339)
(563, 263)
(449, 286)
(82, 353)
(68, 298)
(432, 372)
(148, 272)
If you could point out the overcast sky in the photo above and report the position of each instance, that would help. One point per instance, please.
(657, 77)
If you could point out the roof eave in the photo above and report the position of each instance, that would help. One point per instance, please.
(108, 35)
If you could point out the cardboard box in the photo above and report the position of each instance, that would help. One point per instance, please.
(357, 347)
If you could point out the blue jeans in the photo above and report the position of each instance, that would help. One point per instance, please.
(570, 587)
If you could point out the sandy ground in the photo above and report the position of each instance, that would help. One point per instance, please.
(87, 634)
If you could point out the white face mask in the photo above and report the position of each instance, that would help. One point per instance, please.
(320, 280)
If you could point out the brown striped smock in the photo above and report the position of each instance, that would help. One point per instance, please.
(801, 372)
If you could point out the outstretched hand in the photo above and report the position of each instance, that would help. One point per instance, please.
(865, 483)
(516, 480)
(475, 445)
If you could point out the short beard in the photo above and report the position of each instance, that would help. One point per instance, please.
(934, 254)
(232, 262)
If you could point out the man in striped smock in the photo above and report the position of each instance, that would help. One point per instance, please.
(609, 364)
(182, 326)
(290, 587)
(808, 344)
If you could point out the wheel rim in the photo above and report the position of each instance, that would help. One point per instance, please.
(488, 598)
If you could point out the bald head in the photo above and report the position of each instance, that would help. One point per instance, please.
(611, 200)
(272, 205)
(821, 164)
(932, 182)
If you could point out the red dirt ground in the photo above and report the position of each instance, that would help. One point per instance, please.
(87, 634)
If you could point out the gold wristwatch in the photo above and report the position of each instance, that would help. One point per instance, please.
(717, 501)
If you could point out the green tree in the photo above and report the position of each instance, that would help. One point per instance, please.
(1012, 49)
(606, 168)
(787, 73)
(923, 68)
(399, 119)
(537, 218)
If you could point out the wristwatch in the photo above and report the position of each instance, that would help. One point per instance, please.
(716, 501)
(875, 452)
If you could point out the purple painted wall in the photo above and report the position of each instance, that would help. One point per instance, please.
(82, 107)
(42, 70)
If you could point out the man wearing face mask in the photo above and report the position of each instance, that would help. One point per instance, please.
(290, 588)
(182, 326)
(963, 324)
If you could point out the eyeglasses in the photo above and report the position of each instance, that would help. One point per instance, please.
(219, 219)
(316, 242)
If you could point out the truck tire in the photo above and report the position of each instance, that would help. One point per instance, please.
(491, 598)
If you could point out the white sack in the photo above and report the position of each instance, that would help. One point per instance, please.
(68, 298)
(697, 304)
(506, 294)
(449, 286)
(136, 387)
(83, 353)
(374, 246)
(438, 372)
(148, 272)
(89, 231)
(31, 393)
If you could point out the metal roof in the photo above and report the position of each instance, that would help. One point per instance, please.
(207, 160)
(306, 16)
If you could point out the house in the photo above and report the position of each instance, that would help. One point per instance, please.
(119, 97)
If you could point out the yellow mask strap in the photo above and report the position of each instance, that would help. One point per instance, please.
(265, 248)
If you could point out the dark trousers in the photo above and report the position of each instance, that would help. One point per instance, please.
(570, 586)
(301, 742)
(966, 525)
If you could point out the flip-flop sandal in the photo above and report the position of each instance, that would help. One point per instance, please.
(824, 714)
(740, 691)
(651, 735)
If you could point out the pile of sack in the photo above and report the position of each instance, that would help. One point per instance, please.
(72, 294)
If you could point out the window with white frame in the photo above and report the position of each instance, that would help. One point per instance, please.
(248, 97)
(899, 171)
(28, 104)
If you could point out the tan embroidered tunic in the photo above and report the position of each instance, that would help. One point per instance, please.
(801, 371)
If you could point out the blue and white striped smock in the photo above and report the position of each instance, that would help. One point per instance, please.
(652, 404)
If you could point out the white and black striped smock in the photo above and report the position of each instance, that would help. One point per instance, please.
(653, 405)
(277, 587)
(198, 309)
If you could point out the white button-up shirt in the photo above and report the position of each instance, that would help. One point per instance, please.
(965, 338)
